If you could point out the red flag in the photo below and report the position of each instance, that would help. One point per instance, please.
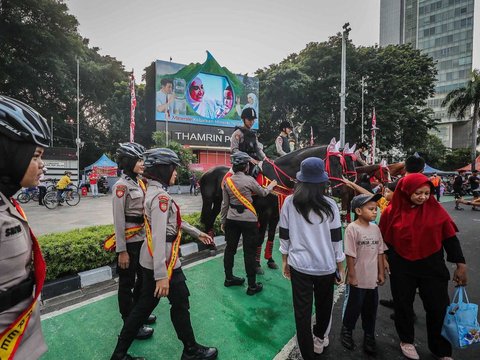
(311, 136)
(133, 105)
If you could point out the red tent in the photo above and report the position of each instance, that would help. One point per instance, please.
(469, 166)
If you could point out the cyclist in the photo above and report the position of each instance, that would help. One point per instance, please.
(63, 185)
(24, 134)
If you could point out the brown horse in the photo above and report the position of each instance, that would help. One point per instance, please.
(378, 172)
(397, 169)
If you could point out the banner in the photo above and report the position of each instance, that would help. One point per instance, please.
(133, 105)
(203, 94)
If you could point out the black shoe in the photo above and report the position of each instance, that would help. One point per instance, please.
(347, 338)
(200, 352)
(234, 281)
(458, 208)
(259, 270)
(145, 332)
(392, 316)
(129, 357)
(253, 290)
(387, 303)
(272, 264)
(151, 320)
(369, 345)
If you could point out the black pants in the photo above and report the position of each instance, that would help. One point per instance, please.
(179, 312)
(42, 190)
(437, 192)
(362, 302)
(249, 232)
(304, 287)
(130, 280)
(434, 295)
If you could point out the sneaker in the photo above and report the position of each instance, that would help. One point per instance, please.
(200, 352)
(409, 351)
(320, 344)
(370, 345)
(234, 281)
(458, 208)
(347, 338)
(254, 290)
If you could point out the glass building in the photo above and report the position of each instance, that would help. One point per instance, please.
(444, 29)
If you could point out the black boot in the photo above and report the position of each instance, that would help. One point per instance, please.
(369, 344)
(144, 332)
(126, 357)
(272, 264)
(347, 338)
(387, 303)
(234, 281)
(199, 352)
(252, 290)
(151, 319)
(259, 270)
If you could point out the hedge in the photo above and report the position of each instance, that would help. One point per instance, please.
(79, 250)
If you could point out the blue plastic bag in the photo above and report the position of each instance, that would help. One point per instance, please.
(460, 326)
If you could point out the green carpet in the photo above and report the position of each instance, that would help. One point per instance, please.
(240, 326)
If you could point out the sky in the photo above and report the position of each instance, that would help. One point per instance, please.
(242, 35)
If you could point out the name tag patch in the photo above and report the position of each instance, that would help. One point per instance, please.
(13, 230)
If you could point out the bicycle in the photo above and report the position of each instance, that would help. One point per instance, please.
(69, 196)
(28, 194)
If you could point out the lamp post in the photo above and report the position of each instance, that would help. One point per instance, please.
(77, 140)
(346, 30)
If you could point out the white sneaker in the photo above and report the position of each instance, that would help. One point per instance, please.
(319, 344)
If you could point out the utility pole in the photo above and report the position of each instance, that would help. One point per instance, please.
(78, 122)
(51, 131)
(343, 95)
(363, 93)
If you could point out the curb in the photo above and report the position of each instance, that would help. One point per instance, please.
(189, 253)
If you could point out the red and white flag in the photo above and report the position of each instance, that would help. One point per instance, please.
(311, 136)
(133, 105)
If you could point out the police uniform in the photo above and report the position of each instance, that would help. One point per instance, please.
(16, 273)
(161, 212)
(282, 145)
(246, 140)
(238, 220)
(127, 201)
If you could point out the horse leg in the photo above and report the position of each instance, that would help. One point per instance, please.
(210, 210)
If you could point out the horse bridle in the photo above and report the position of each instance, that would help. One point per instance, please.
(327, 166)
(350, 173)
(279, 171)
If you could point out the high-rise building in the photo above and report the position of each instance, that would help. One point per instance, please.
(444, 29)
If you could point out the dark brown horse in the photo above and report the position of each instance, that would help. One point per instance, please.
(283, 170)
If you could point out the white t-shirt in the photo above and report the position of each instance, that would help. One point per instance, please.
(315, 248)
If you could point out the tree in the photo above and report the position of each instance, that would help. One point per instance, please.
(432, 150)
(461, 101)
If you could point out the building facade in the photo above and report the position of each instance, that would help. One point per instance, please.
(444, 29)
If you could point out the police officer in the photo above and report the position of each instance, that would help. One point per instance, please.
(240, 218)
(282, 143)
(244, 139)
(162, 272)
(23, 135)
(127, 201)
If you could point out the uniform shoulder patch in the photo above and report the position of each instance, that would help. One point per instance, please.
(163, 202)
(120, 190)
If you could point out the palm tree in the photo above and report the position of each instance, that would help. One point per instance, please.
(460, 102)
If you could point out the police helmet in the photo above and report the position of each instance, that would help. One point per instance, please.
(161, 156)
(285, 125)
(130, 150)
(240, 158)
(20, 122)
(249, 113)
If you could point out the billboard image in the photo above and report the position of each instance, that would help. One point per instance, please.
(203, 94)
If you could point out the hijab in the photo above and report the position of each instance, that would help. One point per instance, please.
(415, 231)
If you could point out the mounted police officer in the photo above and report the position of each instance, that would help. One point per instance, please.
(244, 139)
(239, 217)
(160, 263)
(282, 143)
(24, 134)
(127, 201)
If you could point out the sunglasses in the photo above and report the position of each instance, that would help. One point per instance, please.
(196, 87)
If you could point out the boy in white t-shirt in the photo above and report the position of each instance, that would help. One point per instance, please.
(364, 248)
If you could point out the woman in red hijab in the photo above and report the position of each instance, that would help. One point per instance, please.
(417, 230)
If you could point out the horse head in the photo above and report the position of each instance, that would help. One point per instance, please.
(350, 160)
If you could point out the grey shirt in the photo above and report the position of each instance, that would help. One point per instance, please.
(161, 213)
(127, 200)
(15, 267)
(237, 138)
(246, 185)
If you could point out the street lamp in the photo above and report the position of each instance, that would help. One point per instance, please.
(346, 30)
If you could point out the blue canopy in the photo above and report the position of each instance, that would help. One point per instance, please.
(429, 170)
(104, 161)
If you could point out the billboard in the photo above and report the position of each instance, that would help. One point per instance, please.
(203, 94)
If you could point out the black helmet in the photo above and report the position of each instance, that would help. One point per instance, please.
(20, 122)
(131, 150)
(240, 158)
(285, 125)
(161, 156)
(249, 113)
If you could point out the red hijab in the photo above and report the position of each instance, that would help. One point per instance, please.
(415, 231)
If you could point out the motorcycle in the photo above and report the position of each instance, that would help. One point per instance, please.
(103, 185)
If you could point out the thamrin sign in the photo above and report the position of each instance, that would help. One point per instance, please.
(203, 94)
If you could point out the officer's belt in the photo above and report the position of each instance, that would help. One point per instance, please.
(240, 208)
(16, 294)
(134, 219)
(171, 238)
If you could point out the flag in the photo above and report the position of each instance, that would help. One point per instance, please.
(311, 136)
(133, 105)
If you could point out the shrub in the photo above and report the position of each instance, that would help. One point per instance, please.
(79, 250)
